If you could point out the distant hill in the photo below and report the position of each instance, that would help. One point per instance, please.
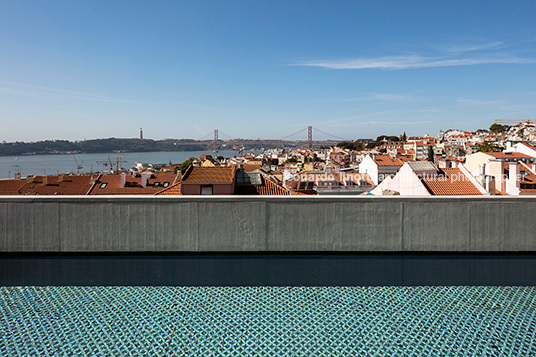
(144, 145)
(101, 145)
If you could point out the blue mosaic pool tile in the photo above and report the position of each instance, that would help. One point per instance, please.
(272, 321)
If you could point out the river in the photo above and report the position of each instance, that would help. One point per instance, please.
(54, 164)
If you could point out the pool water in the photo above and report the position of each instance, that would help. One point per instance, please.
(272, 321)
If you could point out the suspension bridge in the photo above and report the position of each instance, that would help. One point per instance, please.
(233, 139)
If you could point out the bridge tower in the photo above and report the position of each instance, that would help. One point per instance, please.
(310, 137)
(215, 140)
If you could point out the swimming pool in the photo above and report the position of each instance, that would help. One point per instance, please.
(275, 321)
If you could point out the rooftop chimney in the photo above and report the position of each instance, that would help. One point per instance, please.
(60, 178)
(45, 179)
(17, 175)
(30, 178)
(123, 179)
(144, 179)
(496, 169)
(490, 185)
(513, 180)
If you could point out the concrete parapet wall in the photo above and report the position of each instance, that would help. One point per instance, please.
(277, 224)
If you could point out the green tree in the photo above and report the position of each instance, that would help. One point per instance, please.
(186, 164)
(389, 138)
(373, 144)
(498, 128)
(353, 145)
(489, 147)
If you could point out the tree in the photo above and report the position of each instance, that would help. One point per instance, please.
(380, 138)
(498, 128)
(489, 147)
(354, 145)
(403, 137)
(185, 165)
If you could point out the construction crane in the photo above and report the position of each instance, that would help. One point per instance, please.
(78, 166)
(235, 148)
(512, 121)
(103, 163)
(119, 164)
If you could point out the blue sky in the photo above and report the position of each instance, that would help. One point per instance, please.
(180, 69)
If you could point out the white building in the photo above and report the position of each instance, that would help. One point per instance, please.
(423, 178)
(378, 167)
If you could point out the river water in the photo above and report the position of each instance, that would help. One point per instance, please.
(54, 164)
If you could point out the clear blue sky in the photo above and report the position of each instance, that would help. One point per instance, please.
(94, 69)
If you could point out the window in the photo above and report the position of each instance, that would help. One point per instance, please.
(251, 178)
(103, 185)
(206, 190)
(156, 184)
(166, 184)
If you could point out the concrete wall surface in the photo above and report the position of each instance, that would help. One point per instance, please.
(256, 224)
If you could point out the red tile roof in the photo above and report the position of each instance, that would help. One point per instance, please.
(251, 167)
(267, 188)
(205, 156)
(172, 190)
(209, 175)
(133, 185)
(387, 160)
(70, 185)
(11, 187)
(450, 181)
(508, 155)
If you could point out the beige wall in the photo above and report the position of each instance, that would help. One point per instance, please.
(474, 161)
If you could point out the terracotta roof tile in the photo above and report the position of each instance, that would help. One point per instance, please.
(267, 188)
(209, 175)
(172, 190)
(111, 184)
(11, 186)
(508, 155)
(251, 167)
(387, 160)
(451, 181)
(69, 185)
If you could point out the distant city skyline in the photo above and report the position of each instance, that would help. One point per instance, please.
(264, 69)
